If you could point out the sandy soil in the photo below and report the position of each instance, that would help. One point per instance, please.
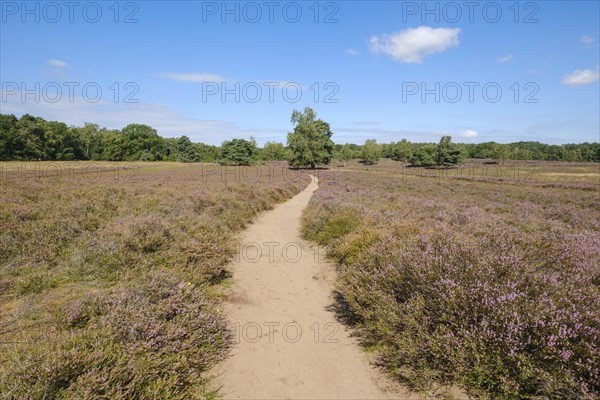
(289, 346)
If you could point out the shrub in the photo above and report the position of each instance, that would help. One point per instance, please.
(498, 294)
(150, 340)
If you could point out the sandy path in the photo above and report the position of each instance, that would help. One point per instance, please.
(288, 345)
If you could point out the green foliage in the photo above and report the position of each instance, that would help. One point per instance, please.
(424, 156)
(371, 151)
(141, 142)
(534, 151)
(345, 153)
(447, 153)
(273, 151)
(310, 144)
(237, 152)
(400, 151)
(444, 154)
(184, 150)
(500, 153)
(33, 138)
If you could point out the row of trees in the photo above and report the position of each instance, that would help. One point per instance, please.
(447, 153)
(309, 145)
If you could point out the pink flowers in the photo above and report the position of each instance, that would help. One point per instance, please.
(500, 296)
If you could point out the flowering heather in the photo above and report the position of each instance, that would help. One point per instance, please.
(491, 286)
(108, 277)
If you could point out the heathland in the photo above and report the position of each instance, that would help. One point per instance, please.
(110, 274)
(485, 276)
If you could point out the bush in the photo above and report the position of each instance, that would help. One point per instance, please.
(236, 152)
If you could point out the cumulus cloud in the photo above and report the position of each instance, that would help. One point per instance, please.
(351, 52)
(468, 134)
(581, 77)
(56, 68)
(505, 59)
(413, 44)
(192, 77)
(55, 63)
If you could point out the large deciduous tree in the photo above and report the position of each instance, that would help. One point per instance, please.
(310, 144)
(141, 142)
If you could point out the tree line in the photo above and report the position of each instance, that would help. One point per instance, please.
(309, 145)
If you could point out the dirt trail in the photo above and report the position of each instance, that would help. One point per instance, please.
(289, 346)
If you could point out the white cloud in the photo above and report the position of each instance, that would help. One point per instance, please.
(587, 39)
(468, 134)
(505, 58)
(192, 77)
(412, 44)
(57, 63)
(351, 52)
(56, 68)
(581, 77)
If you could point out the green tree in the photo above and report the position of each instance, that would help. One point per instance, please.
(310, 144)
(89, 140)
(236, 152)
(112, 145)
(186, 152)
(32, 133)
(141, 142)
(273, 151)
(10, 144)
(345, 153)
(371, 151)
(206, 152)
(447, 153)
(424, 155)
(500, 152)
(400, 151)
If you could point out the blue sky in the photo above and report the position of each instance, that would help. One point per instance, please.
(385, 70)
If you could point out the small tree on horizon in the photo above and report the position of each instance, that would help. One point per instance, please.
(371, 151)
(400, 151)
(345, 154)
(447, 153)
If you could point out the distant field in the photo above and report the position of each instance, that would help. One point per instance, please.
(108, 273)
(489, 281)
(587, 175)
